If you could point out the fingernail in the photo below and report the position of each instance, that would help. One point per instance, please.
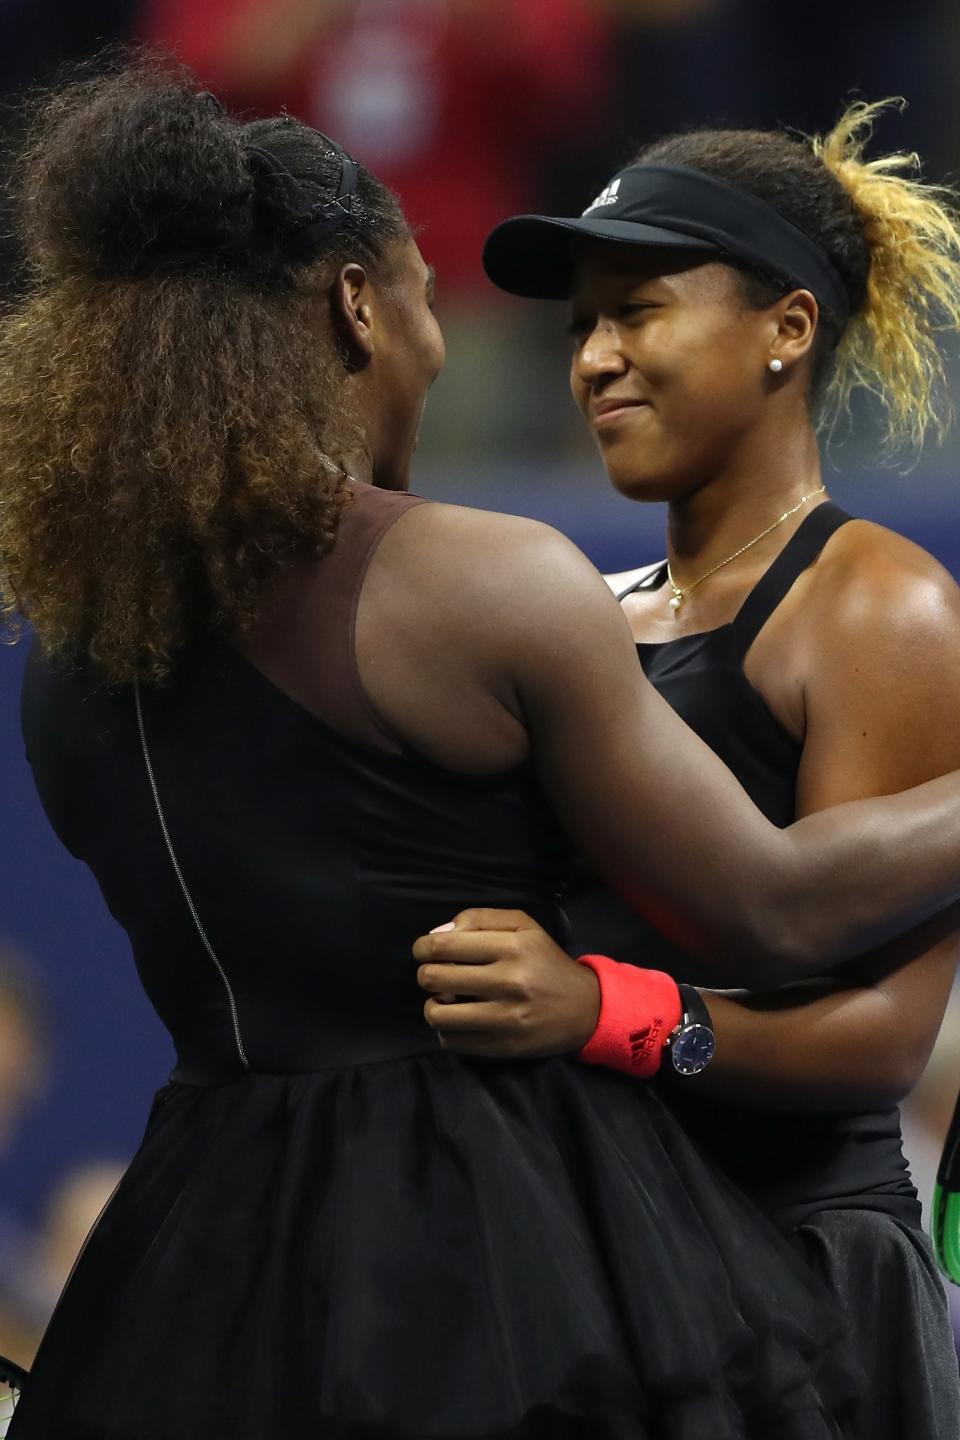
(437, 928)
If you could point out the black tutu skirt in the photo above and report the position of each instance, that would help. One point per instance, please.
(883, 1272)
(433, 1248)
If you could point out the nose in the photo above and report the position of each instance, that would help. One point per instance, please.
(600, 356)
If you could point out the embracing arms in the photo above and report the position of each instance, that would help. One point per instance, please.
(452, 644)
(668, 826)
(871, 665)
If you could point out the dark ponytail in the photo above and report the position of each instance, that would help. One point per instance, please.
(172, 421)
(141, 173)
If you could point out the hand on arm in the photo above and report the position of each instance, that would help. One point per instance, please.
(885, 666)
(669, 827)
(551, 663)
(526, 996)
(819, 1045)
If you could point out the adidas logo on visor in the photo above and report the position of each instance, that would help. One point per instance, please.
(607, 196)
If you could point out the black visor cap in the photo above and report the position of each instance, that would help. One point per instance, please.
(665, 207)
(536, 255)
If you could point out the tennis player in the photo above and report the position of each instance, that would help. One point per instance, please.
(288, 728)
(727, 289)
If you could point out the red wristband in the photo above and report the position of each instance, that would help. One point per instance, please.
(639, 1010)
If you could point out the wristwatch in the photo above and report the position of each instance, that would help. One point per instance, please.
(692, 1044)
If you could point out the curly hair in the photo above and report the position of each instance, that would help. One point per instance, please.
(172, 427)
(893, 239)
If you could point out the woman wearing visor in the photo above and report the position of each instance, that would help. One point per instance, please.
(288, 730)
(725, 288)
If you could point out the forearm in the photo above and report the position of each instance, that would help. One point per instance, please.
(824, 1052)
(857, 1042)
(847, 880)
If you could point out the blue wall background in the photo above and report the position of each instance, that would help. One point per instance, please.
(110, 1053)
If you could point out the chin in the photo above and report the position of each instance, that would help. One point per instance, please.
(636, 483)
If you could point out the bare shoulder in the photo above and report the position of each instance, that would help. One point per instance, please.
(487, 550)
(488, 528)
(870, 578)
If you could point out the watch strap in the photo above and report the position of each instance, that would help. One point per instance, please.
(695, 1010)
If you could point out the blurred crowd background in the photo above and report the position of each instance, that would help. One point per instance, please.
(471, 110)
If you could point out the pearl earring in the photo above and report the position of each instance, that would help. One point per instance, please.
(776, 366)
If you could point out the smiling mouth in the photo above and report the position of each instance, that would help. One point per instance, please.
(616, 412)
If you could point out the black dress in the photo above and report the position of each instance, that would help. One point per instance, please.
(333, 1228)
(837, 1182)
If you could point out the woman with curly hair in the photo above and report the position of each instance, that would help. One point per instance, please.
(288, 727)
(727, 290)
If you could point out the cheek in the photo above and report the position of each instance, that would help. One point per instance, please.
(702, 364)
(427, 350)
(437, 349)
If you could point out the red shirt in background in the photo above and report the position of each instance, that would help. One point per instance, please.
(456, 104)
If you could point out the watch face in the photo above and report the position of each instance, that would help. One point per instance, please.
(692, 1049)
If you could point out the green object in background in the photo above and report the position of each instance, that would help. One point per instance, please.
(945, 1220)
(946, 1231)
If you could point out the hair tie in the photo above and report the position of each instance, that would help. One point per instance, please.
(301, 221)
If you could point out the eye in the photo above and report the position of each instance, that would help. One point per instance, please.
(632, 308)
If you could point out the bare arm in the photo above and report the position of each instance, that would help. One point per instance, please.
(671, 829)
(817, 1045)
(878, 641)
(880, 685)
(832, 1045)
(658, 814)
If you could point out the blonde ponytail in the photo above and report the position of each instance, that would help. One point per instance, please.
(891, 346)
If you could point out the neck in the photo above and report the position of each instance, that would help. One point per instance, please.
(740, 502)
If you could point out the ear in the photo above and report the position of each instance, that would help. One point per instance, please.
(353, 312)
(796, 318)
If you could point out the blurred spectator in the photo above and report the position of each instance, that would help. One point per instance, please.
(23, 1072)
(35, 1274)
(70, 1215)
(459, 106)
(451, 102)
(23, 1043)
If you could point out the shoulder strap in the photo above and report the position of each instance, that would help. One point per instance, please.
(797, 555)
(651, 578)
(305, 640)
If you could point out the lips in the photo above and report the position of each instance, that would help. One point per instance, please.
(613, 404)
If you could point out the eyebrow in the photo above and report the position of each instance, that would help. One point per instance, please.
(431, 277)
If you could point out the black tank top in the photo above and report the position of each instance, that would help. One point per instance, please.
(314, 857)
(792, 1164)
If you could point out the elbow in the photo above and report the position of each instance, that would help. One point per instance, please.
(903, 1067)
(750, 955)
(797, 933)
(775, 948)
(892, 1081)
